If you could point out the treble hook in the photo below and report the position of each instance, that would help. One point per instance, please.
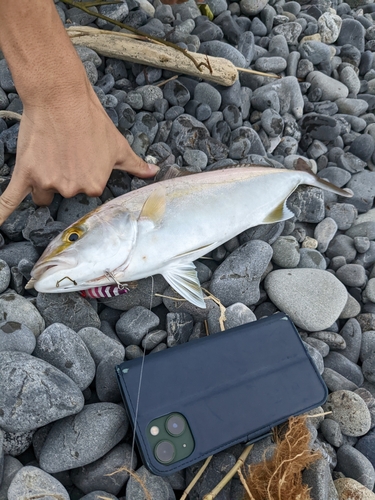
(121, 286)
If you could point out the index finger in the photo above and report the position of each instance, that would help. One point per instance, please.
(12, 197)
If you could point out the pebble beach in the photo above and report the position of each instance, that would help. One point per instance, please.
(63, 427)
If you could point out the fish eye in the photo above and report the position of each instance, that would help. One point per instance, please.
(73, 237)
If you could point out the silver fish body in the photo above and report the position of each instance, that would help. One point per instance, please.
(162, 228)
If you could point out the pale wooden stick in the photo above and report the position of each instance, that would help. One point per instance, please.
(166, 81)
(259, 73)
(114, 44)
(240, 462)
(196, 478)
(10, 115)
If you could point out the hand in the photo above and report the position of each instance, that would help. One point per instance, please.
(68, 145)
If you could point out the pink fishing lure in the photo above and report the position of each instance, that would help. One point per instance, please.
(102, 292)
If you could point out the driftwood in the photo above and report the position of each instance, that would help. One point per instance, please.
(132, 49)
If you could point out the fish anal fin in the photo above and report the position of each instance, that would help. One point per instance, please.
(183, 278)
(154, 207)
(280, 213)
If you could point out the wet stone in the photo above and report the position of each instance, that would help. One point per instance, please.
(48, 394)
(67, 445)
(247, 264)
(63, 348)
(16, 337)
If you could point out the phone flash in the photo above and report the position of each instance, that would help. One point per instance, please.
(154, 431)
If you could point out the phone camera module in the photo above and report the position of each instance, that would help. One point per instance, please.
(175, 425)
(165, 452)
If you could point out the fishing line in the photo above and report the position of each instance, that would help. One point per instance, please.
(140, 383)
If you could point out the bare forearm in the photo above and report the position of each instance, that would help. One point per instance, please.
(39, 53)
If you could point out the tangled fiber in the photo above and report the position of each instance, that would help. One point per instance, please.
(280, 477)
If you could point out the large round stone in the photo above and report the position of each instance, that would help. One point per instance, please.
(313, 298)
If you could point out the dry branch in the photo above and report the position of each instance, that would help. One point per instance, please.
(129, 49)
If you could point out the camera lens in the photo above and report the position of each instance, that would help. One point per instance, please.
(165, 452)
(175, 425)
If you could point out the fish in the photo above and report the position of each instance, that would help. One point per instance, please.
(164, 227)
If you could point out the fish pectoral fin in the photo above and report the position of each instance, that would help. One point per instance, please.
(280, 213)
(154, 207)
(183, 278)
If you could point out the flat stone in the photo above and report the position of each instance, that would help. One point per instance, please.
(135, 324)
(352, 463)
(100, 345)
(46, 394)
(337, 382)
(16, 337)
(312, 298)
(11, 467)
(352, 334)
(344, 366)
(83, 438)
(331, 89)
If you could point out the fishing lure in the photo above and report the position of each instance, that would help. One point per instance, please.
(101, 292)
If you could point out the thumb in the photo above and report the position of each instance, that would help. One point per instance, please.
(12, 197)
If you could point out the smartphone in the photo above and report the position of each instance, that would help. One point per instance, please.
(199, 398)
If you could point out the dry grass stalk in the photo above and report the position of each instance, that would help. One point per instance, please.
(237, 466)
(10, 115)
(222, 317)
(196, 478)
(135, 476)
(280, 477)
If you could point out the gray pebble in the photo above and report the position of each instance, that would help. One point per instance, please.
(317, 477)
(352, 334)
(11, 467)
(319, 345)
(106, 384)
(196, 157)
(352, 463)
(289, 94)
(179, 327)
(135, 324)
(313, 298)
(248, 263)
(14, 307)
(343, 246)
(337, 382)
(366, 228)
(368, 368)
(331, 89)
(352, 275)
(344, 366)
(290, 31)
(344, 214)
(206, 93)
(361, 243)
(47, 393)
(352, 33)
(99, 344)
(332, 339)
(368, 344)
(16, 337)
(349, 411)
(315, 356)
(152, 339)
(308, 204)
(133, 352)
(68, 308)
(331, 432)
(312, 259)
(31, 482)
(155, 485)
(15, 443)
(81, 439)
(63, 348)
(99, 475)
(324, 232)
(286, 252)
(270, 64)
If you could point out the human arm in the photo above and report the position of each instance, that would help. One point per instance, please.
(66, 142)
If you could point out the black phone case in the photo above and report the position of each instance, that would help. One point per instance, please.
(232, 387)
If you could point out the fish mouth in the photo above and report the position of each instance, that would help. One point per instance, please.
(42, 270)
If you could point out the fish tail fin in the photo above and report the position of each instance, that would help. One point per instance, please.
(314, 180)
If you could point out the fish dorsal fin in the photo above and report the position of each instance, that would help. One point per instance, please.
(154, 207)
(280, 213)
(183, 278)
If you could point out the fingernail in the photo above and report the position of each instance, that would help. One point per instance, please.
(153, 167)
